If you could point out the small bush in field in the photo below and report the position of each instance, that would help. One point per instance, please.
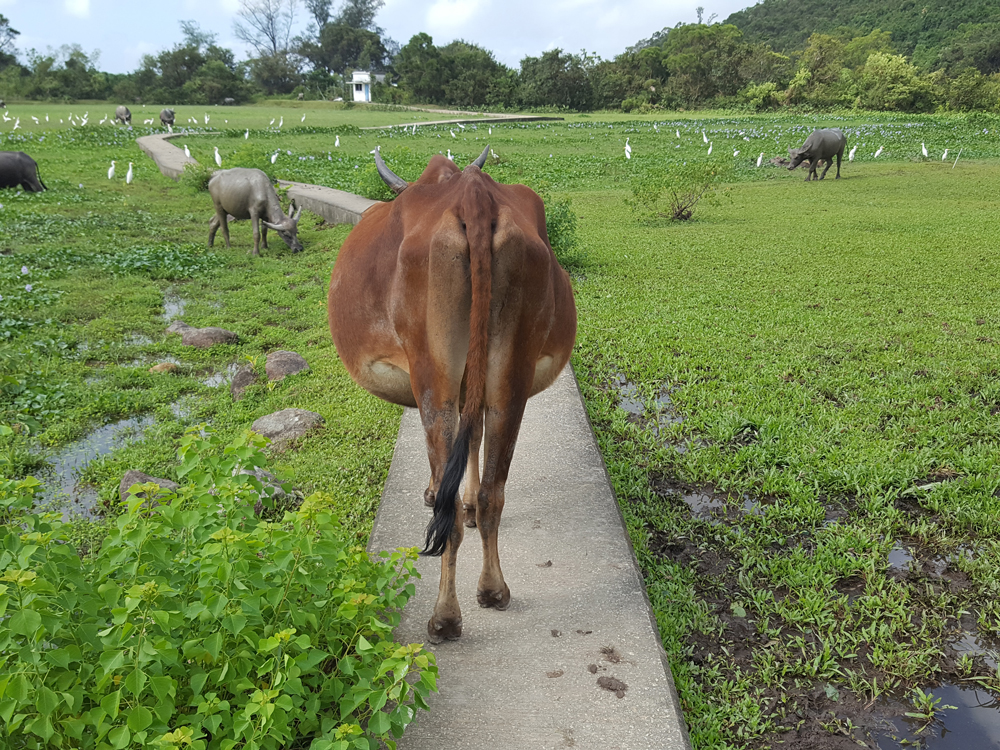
(161, 261)
(199, 625)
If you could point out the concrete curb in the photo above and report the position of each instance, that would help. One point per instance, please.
(490, 120)
(528, 677)
(170, 159)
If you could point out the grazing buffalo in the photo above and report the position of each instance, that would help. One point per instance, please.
(228, 101)
(820, 145)
(450, 299)
(166, 117)
(123, 114)
(248, 194)
(3, 104)
(17, 168)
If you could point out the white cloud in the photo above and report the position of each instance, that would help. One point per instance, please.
(78, 8)
(449, 16)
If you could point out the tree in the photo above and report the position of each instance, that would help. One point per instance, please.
(421, 70)
(320, 11)
(341, 47)
(704, 62)
(360, 14)
(556, 79)
(889, 82)
(195, 37)
(7, 36)
(266, 25)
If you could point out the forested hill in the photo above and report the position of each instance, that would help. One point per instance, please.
(921, 28)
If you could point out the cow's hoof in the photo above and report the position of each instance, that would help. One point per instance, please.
(494, 599)
(444, 629)
(470, 517)
(429, 497)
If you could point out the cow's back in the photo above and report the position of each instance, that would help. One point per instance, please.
(239, 191)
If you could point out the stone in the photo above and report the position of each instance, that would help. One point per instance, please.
(163, 367)
(281, 500)
(242, 379)
(282, 363)
(201, 338)
(133, 476)
(287, 424)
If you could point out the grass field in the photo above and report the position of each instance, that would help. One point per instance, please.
(796, 393)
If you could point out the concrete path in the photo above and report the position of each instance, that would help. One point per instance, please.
(335, 206)
(527, 678)
(170, 159)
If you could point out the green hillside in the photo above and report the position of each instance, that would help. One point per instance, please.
(927, 30)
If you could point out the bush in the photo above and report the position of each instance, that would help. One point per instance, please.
(195, 177)
(199, 625)
(675, 192)
(163, 261)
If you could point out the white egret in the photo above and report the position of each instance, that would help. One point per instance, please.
(944, 155)
(170, 128)
(736, 153)
(104, 120)
(336, 142)
(303, 118)
(17, 124)
(760, 159)
(218, 159)
(461, 126)
(274, 156)
(46, 118)
(35, 119)
(709, 149)
(678, 133)
(704, 137)
(656, 127)
(449, 154)
(628, 150)
(111, 171)
(877, 152)
(281, 121)
(187, 153)
(453, 134)
(850, 155)
(128, 175)
(271, 123)
(494, 154)
(923, 149)
(246, 134)
(491, 130)
(414, 128)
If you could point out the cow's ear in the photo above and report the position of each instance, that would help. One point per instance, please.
(793, 152)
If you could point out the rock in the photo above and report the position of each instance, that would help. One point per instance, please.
(163, 367)
(201, 337)
(243, 379)
(133, 476)
(780, 161)
(286, 424)
(280, 364)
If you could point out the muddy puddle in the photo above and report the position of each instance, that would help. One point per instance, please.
(900, 558)
(62, 489)
(974, 723)
(173, 306)
(222, 377)
(658, 409)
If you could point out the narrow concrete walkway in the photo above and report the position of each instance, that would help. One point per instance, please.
(170, 159)
(488, 119)
(527, 678)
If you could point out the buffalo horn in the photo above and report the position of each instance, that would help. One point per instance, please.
(481, 161)
(396, 183)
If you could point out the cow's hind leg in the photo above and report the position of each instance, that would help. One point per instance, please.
(470, 499)
(829, 163)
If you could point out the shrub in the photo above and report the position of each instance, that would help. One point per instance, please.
(163, 261)
(675, 192)
(199, 625)
(195, 177)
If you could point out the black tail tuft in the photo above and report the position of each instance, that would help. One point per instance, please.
(443, 521)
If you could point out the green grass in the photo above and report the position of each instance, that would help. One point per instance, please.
(830, 352)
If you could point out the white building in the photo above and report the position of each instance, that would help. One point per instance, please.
(361, 82)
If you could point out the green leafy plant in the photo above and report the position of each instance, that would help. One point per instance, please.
(197, 624)
(195, 177)
(161, 261)
(675, 192)
(926, 706)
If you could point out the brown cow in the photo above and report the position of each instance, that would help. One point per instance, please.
(450, 299)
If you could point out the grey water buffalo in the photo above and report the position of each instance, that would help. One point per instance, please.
(820, 145)
(123, 114)
(166, 117)
(248, 194)
(228, 101)
(17, 168)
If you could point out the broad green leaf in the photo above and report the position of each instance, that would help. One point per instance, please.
(46, 701)
(140, 718)
(136, 681)
(379, 722)
(119, 737)
(110, 704)
(25, 622)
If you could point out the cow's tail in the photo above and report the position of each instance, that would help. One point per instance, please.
(477, 211)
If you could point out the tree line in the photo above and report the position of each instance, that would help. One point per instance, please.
(689, 66)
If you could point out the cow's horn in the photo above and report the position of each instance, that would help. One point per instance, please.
(481, 161)
(297, 215)
(396, 183)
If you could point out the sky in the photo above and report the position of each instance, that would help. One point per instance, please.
(125, 30)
